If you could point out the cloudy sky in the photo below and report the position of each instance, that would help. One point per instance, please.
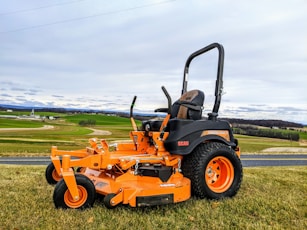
(99, 54)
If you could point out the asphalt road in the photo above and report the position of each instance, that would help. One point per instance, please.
(247, 160)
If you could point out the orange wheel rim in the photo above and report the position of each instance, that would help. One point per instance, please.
(70, 202)
(219, 174)
(56, 176)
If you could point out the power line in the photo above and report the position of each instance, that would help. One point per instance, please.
(87, 17)
(39, 8)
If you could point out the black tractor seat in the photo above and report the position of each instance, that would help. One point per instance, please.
(189, 106)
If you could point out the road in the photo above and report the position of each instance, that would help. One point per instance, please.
(247, 160)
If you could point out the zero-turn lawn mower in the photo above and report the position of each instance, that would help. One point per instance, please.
(167, 160)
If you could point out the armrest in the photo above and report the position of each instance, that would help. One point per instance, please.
(162, 110)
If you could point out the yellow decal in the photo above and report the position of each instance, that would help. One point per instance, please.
(221, 133)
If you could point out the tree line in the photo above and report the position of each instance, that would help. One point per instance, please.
(266, 132)
(88, 122)
(265, 123)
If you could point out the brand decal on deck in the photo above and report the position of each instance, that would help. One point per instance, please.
(183, 143)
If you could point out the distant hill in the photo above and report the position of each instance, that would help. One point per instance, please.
(146, 116)
(265, 123)
(45, 109)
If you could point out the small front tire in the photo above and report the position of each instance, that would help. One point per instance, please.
(87, 194)
(51, 174)
(107, 200)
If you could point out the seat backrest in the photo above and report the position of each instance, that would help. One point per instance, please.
(189, 106)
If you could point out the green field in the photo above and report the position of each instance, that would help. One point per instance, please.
(68, 134)
(251, 144)
(269, 198)
(15, 123)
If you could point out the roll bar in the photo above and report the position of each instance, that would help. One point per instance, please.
(219, 79)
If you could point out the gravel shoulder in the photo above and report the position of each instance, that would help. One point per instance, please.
(285, 150)
(98, 132)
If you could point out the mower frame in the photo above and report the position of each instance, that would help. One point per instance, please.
(156, 166)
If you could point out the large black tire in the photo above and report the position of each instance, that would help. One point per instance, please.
(87, 193)
(51, 174)
(214, 169)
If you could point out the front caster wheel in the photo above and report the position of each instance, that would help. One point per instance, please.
(87, 194)
(107, 200)
(51, 174)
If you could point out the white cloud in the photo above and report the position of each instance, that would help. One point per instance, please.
(111, 51)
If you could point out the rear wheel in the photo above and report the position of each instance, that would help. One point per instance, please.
(214, 169)
(87, 194)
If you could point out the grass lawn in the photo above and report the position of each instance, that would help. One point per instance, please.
(269, 198)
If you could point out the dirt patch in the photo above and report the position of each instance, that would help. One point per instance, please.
(45, 127)
(98, 132)
(296, 150)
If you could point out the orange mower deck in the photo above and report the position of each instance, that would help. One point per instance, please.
(143, 186)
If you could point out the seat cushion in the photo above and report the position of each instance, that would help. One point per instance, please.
(189, 106)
